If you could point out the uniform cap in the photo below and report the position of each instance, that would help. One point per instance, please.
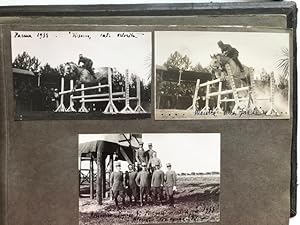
(150, 144)
(118, 164)
(168, 164)
(144, 164)
(141, 143)
(157, 164)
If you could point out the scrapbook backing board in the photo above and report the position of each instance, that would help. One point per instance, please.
(39, 161)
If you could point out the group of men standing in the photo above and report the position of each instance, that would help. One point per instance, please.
(145, 180)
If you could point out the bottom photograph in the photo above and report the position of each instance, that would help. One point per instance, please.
(146, 178)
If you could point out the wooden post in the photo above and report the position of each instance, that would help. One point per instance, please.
(99, 173)
(206, 107)
(92, 176)
(110, 108)
(111, 171)
(138, 107)
(104, 176)
(236, 109)
(83, 108)
(180, 73)
(272, 111)
(195, 97)
(39, 80)
(71, 103)
(127, 108)
(61, 107)
(218, 108)
(99, 87)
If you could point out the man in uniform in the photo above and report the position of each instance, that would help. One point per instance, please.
(143, 181)
(141, 155)
(232, 53)
(153, 162)
(116, 182)
(170, 184)
(150, 151)
(132, 190)
(87, 64)
(157, 183)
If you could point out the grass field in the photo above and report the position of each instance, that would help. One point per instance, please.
(196, 200)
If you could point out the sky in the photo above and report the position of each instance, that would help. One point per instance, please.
(187, 152)
(133, 53)
(256, 49)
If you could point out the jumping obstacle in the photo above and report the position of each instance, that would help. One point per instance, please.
(238, 101)
(272, 111)
(108, 97)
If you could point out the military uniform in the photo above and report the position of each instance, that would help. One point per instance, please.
(141, 156)
(150, 153)
(143, 181)
(87, 64)
(154, 162)
(232, 53)
(157, 183)
(116, 182)
(132, 190)
(170, 183)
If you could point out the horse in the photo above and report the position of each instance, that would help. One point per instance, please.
(217, 66)
(82, 76)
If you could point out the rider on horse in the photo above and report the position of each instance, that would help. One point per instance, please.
(87, 64)
(232, 53)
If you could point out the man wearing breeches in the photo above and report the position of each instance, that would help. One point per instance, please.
(170, 184)
(132, 190)
(116, 182)
(141, 155)
(232, 53)
(150, 151)
(87, 64)
(143, 181)
(157, 183)
(153, 162)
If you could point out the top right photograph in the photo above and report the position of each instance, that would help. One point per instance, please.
(222, 75)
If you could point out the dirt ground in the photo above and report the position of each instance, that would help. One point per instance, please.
(196, 200)
(175, 114)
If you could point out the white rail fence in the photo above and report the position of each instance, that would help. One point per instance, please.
(110, 97)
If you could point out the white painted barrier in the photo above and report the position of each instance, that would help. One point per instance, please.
(251, 98)
(108, 97)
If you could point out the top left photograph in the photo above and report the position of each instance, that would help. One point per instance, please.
(81, 74)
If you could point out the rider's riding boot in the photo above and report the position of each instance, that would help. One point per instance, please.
(92, 73)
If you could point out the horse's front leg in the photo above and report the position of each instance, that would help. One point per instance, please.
(77, 84)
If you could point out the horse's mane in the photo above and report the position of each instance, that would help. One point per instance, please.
(71, 63)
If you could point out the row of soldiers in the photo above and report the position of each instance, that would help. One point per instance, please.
(143, 184)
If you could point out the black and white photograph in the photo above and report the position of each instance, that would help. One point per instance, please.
(149, 178)
(81, 74)
(222, 75)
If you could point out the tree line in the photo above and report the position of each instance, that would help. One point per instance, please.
(179, 61)
(50, 78)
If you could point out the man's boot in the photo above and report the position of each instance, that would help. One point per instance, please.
(239, 64)
(117, 204)
(92, 73)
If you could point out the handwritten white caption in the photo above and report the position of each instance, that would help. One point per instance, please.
(77, 35)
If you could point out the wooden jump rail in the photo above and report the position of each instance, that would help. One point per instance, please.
(109, 97)
(251, 98)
